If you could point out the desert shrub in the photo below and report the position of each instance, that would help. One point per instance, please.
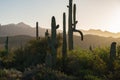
(82, 62)
(115, 74)
(10, 74)
(6, 59)
(40, 72)
(33, 53)
(91, 77)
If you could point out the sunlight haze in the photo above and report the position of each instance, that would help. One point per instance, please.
(91, 14)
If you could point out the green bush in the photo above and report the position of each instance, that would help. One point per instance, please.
(10, 74)
(82, 62)
(91, 77)
(33, 53)
(40, 72)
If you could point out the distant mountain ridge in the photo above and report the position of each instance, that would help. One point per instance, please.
(19, 29)
(24, 29)
(102, 33)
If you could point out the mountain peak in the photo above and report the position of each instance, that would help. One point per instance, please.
(22, 24)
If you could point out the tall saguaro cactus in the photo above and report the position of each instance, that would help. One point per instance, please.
(70, 31)
(72, 26)
(52, 43)
(64, 46)
(54, 28)
(37, 31)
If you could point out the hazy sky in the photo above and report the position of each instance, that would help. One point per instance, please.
(91, 14)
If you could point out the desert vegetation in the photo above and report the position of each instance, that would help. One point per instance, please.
(32, 62)
(53, 57)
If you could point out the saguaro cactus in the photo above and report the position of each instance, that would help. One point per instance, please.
(64, 46)
(75, 22)
(113, 51)
(70, 30)
(54, 27)
(52, 42)
(72, 26)
(6, 44)
(74, 16)
(48, 59)
(46, 33)
(37, 31)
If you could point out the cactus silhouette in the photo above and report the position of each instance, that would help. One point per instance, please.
(54, 27)
(70, 31)
(72, 26)
(6, 44)
(48, 59)
(46, 33)
(64, 46)
(113, 51)
(90, 48)
(37, 31)
(52, 42)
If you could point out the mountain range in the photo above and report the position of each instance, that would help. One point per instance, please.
(24, 29)
(19, 34)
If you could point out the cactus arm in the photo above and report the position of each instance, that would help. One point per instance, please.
(74, 30)
(57, 26)
(74, 16)
(75, 22)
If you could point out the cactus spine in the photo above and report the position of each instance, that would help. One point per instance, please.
(37, 31)
(64, 46)
(72, 27)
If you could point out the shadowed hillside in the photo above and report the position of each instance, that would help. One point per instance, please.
(89, 40)
(15, 41)
(94, 41)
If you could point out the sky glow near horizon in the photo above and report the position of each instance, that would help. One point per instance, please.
(91, 14)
